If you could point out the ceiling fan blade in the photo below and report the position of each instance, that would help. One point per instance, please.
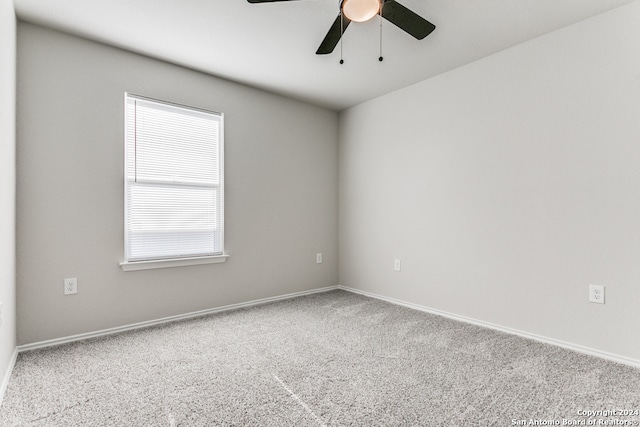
(406, 20)
(266, 1)
(333, 36)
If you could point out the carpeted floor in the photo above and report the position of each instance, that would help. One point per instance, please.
(333, 359)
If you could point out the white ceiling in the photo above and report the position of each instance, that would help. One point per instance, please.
(272, 45)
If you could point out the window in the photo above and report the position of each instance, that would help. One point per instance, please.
(173, 183)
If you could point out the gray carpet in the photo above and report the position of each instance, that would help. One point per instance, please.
(332, 359)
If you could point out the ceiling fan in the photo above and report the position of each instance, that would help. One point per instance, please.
(364, 10)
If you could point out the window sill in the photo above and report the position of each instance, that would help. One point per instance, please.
(165, 263)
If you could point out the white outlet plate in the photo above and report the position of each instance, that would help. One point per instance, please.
(70, 286)
(596, 294)
(319, 258)
(397, 265)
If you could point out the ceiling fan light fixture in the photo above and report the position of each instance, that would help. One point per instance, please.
(360, 10)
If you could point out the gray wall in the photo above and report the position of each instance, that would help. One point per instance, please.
(506, 187)
(7, 184)
(281, 190)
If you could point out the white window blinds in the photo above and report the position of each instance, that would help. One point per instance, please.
(173, 181)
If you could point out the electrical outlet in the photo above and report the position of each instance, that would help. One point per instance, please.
(70, 286)
(596, 294)
(396, 265)
(319, 258)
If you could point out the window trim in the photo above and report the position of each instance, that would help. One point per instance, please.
(175, 262)
(147, 264)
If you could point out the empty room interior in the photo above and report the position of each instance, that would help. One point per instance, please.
(273, 212)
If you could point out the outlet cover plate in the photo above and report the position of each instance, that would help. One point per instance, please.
(70, 286)
(596, 294)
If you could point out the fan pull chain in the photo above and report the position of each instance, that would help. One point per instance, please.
(341, 34)
(380, 58)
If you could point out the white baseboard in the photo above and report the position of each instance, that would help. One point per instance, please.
(575, 347)
(140, 325)
(7, 375)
